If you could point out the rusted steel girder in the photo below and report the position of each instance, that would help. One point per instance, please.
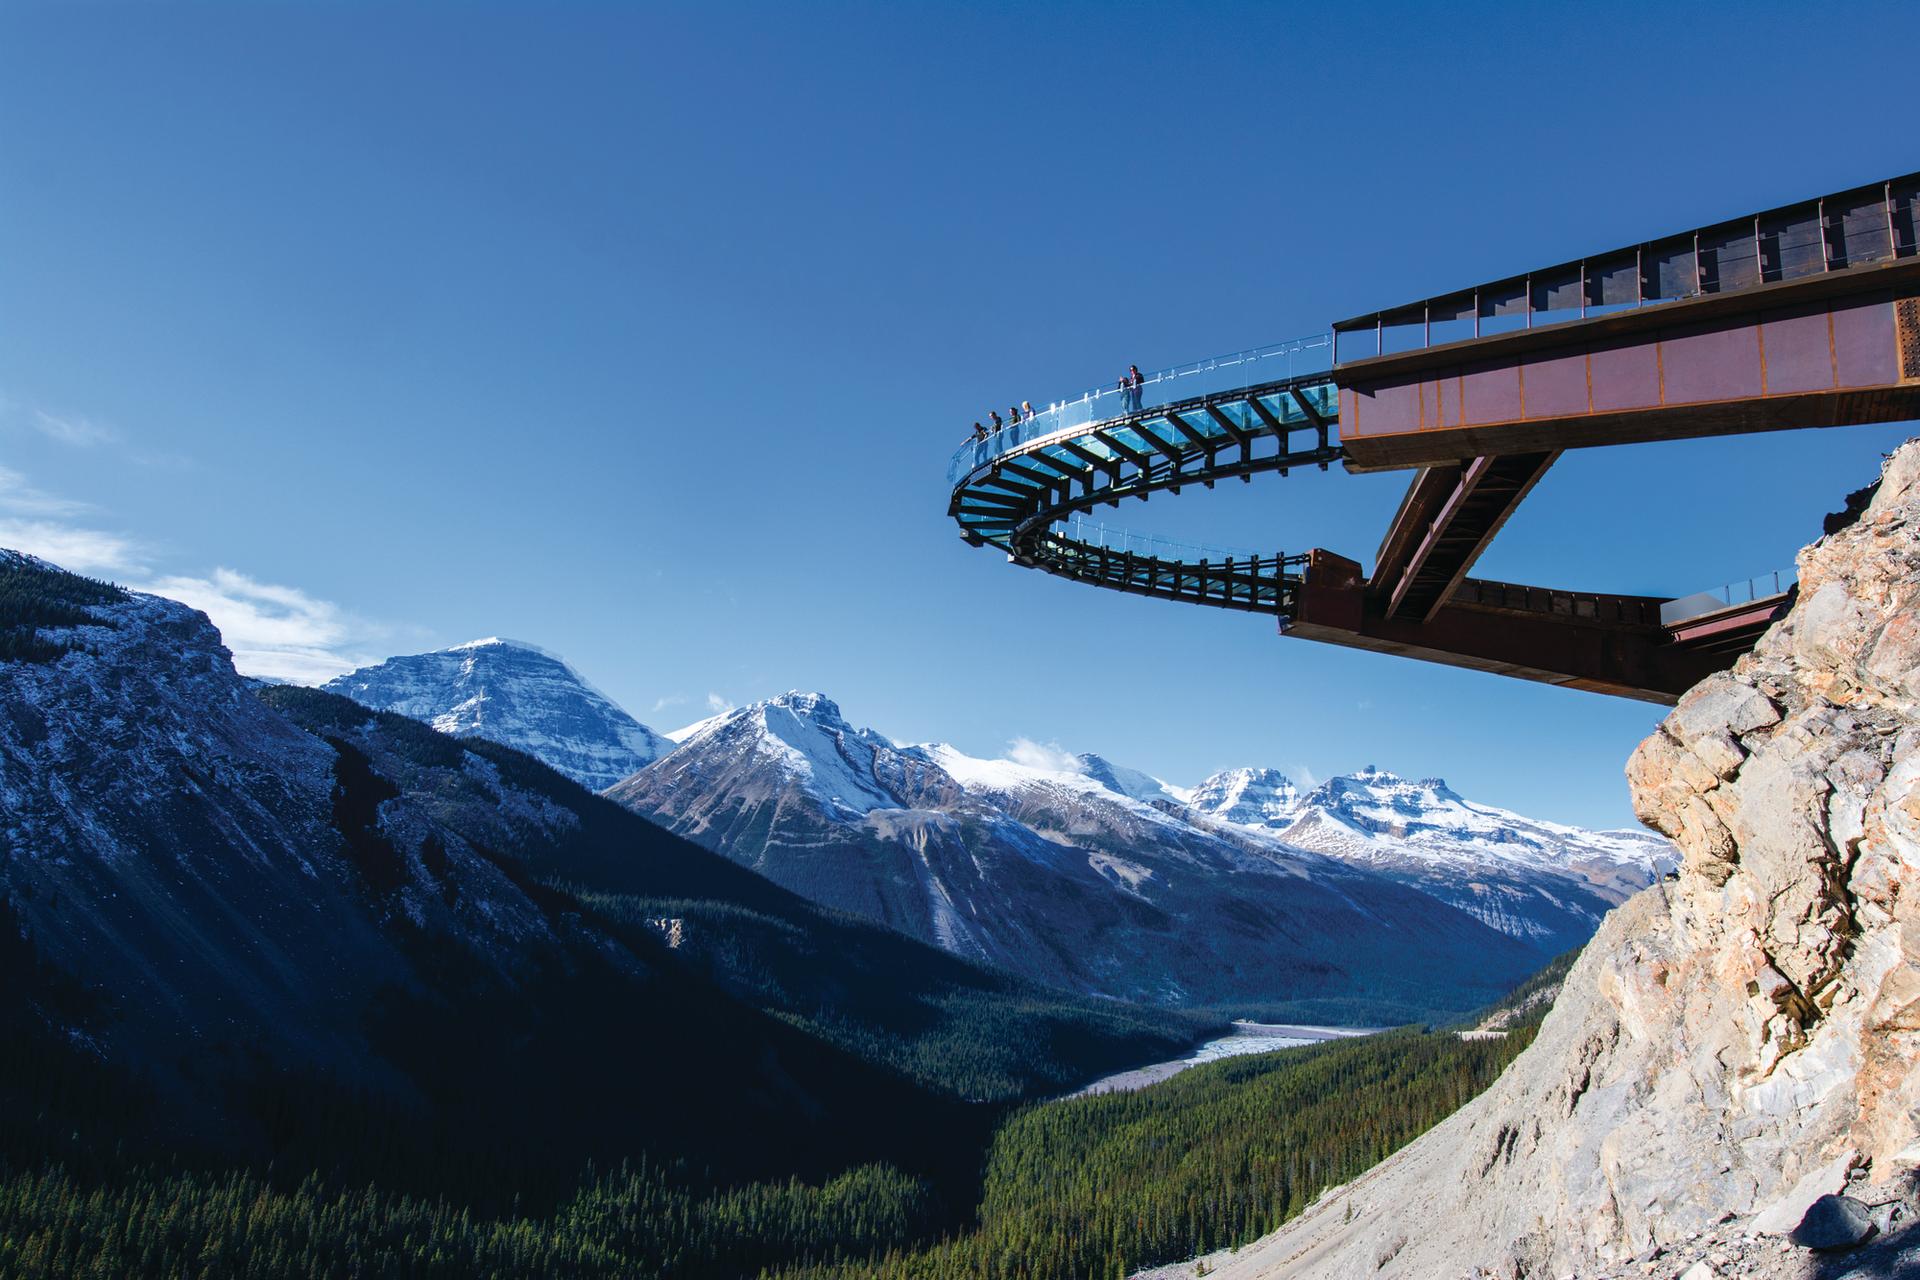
(1830, 350)
(1600, 643)
(1448, 517)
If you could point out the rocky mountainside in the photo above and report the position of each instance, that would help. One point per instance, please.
(516, 694)
(1105, 880)
(1736, 1045)
(272, 912)
(1544, 884)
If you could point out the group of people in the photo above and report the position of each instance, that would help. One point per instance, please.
(1131, 395)
(1016, 415)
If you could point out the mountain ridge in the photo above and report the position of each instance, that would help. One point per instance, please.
(887, 812)
(1547, 883)
(1089, 876)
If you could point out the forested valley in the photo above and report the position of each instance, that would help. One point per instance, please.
(1089, 1187)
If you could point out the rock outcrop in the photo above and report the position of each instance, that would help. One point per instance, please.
(1733, 1044)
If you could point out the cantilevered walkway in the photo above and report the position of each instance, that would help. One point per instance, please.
(1808, 315)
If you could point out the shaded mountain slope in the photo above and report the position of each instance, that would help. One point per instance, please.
(956, 1026)
(308, 931)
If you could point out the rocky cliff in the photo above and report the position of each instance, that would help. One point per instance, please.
(1732, 1044)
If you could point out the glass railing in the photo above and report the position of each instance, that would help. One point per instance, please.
(1125, 541)
(1849, 230)
(1214, 376)
(1702, 603)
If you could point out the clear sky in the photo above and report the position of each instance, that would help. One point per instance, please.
(644, 333)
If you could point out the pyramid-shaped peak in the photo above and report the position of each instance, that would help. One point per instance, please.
(514, 693)
(814, 706)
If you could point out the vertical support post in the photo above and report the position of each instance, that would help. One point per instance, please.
(1759, 266)
(1699, 277)
(1826, 243)
(1893, 243)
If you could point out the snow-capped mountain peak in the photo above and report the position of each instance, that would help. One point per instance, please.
(1519, 874)
(490, 642)
(514, 693)
(802, 738)
(814, 706)
(1131, 783)
(1248, 797)
(788, 786)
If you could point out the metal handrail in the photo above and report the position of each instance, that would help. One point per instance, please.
(1715, 599)
(1097, 533)
(1235, 371)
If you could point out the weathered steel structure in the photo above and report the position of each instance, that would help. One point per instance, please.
(1803, 316)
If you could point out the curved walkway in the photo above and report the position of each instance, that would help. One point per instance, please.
(1232, 416)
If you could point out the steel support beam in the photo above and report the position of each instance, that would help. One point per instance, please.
(1444, 524)
(1631, 659)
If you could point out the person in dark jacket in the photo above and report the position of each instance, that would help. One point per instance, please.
(998, 421)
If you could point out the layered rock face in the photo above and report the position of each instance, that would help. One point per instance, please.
(1736, 1042)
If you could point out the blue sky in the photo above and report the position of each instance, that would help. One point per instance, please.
(644, 333)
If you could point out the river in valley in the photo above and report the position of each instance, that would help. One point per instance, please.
(1246, 1037)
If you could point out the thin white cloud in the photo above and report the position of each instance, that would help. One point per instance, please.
(719, 705)
(90, 551)
(1050, 756)
(75, 431)
(42, 524)
(81, 433)
(275, 631)
(21, 498)
(669, 700)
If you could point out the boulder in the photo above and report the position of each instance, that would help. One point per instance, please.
(1834, 1222)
